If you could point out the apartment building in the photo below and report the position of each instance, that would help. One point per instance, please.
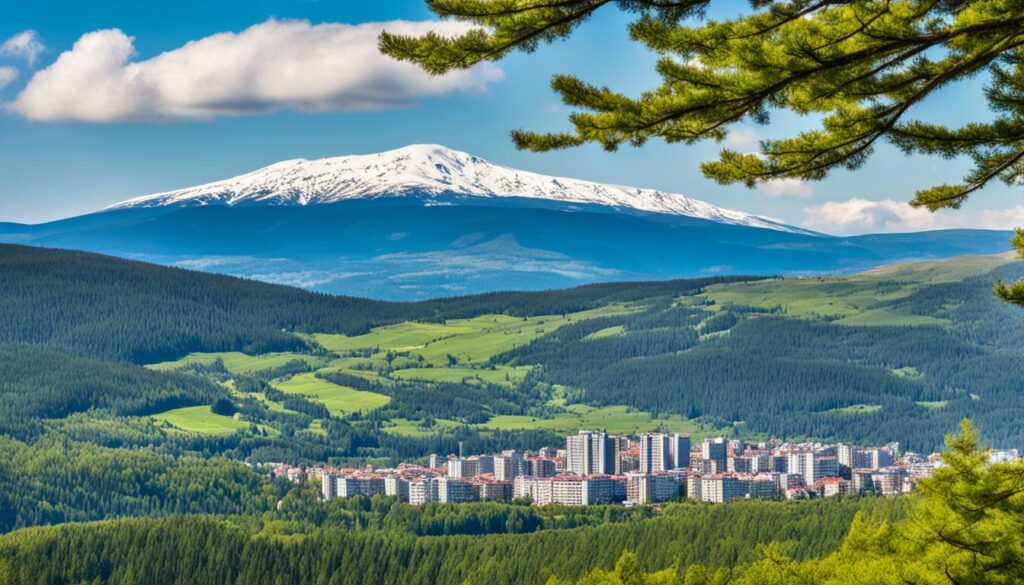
(591, 452)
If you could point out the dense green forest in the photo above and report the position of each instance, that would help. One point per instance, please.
(39, 383)
(915, 354)
(378, 542)
(965, 526)
(110, 308)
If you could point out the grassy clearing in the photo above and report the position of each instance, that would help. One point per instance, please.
(406, 336)
(855, 409)
(240, 363)
(468, 341)
(317, 428)
(613, 331)
(855, 300)
(409, 428)
(270, 404)
(339, 400)
(907, 372)
(933, 405)
(614, 419)
(499, 375)
(200, 420)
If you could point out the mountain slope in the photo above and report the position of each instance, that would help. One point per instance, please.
(425, 221)
(119, 310)
(398, 248)
(901, 354)
(428, 170)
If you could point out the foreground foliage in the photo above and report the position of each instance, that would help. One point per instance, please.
(860, 66)
(377, 541)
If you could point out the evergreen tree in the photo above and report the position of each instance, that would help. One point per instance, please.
(860, 65)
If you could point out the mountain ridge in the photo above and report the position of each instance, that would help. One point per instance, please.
(425, 221)
(429, 171)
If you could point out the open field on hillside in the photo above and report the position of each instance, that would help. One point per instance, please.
(467, 341)
(613, 331)
(339, 400)
(856, 409)
(410, 428)
(240, 363)
(200, 420)
(497, 375)
(860, 299)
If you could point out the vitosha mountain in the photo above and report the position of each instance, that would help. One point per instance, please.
(428, 171)
(425, 220)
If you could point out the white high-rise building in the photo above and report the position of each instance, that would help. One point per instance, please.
(462, 467)
(329, 486)
(654, 453)
(591, 452)
(397, 487)
(509, 465)
(450, 490)
(423, 491)
(644, 489)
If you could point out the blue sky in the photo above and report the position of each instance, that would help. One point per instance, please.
(54, 165)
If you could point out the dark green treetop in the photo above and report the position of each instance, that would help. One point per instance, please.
(860, 66)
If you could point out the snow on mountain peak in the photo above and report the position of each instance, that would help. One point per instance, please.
(427, 170)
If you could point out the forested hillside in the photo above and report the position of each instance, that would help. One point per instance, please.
(116, 309)
(42, 383)
(900, 354)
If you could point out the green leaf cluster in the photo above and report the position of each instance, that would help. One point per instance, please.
(860, 67)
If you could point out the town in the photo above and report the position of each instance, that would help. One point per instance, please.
(598, 468)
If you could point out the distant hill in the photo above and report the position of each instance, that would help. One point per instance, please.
(114, 309)
(901, 352)
(402, 249)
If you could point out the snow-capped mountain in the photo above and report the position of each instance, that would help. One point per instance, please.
(426, 221)
(429, 170)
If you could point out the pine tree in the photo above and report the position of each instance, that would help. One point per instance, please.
(859, 65)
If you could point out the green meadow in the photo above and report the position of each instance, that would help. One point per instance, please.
(495, 375)
(411, 428)
(467, 341)
(857, 300)
(339, 400)
(856, 409)
(200, 420)
(613, 331)
(240, 363)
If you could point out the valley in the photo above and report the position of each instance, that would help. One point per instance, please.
(593, 367)
(181, 432)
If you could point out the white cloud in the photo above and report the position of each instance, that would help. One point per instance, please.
(743, 140)
(268, 67)
(787, 188)
(24, 45)
(856, 215)
(7, 75)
